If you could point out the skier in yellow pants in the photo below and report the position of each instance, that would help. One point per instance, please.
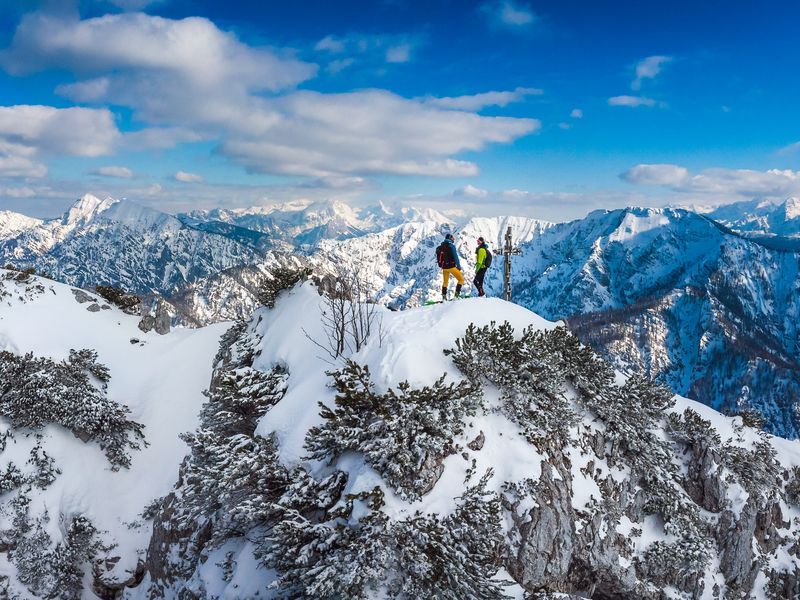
(447, 258)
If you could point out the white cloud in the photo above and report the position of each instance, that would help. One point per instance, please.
(75, 131)
(186, 80)
(657, 174)
(17, 192)
(18, 166)
(509, 13)
(471, 191)
(30, 132)
(368, 132)
(145, 51)
(90, 90)
(631, 101)
(476, 102)
(398, 54)
(153, 138)
(185, 177)
(331, 44)
(576, 113)
(649, 68)
(718, 181)
(368, 48)
(564, 126)
(114, 171)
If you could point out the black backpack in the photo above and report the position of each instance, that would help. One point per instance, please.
(441, 254)
(488, 260)
(444, 256)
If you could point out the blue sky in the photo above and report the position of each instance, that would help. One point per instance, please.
(548, 109)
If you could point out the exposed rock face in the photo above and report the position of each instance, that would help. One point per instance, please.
(547, 535)
(477, 443)
(160, 320)
(81, 296)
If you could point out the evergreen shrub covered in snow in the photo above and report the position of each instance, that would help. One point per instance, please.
(400, 432)
(339, 555)
(48, 570)
(36, 391)
(282, 277)
(128, 302)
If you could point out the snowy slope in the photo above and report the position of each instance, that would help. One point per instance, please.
(160, 378)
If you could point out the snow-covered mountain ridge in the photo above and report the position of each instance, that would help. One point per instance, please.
(121, 243)
(758, 217)
(453, 458)
(301, 225)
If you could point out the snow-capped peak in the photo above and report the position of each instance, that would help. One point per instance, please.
(85, 209)
(792, 208)
(12, 223)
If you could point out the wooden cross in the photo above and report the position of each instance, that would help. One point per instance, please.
(508, 251)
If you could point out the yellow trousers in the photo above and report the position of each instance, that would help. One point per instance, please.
(455, 273)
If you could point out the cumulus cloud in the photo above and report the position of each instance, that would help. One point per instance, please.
(368, 132)
(193, 49)
(476, 102)
(472, 192)
(631, 101)
(509, 13)
(186, 80)
(718, 181)
(576, 113)
(657, 174)
(13, 164)
(30, 132)
(113, 171)
(17, 192)
(649, 68)
(145, 53)
(185, 177)
(75, 131)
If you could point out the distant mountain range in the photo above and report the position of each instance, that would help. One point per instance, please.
(706, 301)
(121, 243)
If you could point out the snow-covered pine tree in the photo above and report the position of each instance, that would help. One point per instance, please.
(403, 434)
(35, 391)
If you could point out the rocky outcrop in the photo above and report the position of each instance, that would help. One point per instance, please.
(159, 320)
